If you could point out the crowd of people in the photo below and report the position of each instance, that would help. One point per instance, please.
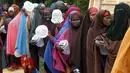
(95, 42)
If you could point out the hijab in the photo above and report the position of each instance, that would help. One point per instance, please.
(119, 25)
(59, 4)
(36, 20)
(80, 48)
(67, 14)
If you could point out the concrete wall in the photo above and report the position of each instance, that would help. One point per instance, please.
(106, 4)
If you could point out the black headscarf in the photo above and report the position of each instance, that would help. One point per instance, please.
(119, 25)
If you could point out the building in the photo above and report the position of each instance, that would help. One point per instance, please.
(106, 4)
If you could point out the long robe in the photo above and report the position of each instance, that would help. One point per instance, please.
(122, 62)
(94, 64)
(1, 45)
(111, 48)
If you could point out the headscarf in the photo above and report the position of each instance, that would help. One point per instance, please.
(36, 20)
(59, 4)
(67, 14)
(63, 9)
(80, 47)
(16, 8)
(94, 64)
(120, 22)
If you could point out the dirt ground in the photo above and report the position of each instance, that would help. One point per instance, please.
(16, 71)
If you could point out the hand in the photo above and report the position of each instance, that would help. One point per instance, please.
(26, 12)
(76, 71)
(99, 43)
(49, 34)
(59, 47)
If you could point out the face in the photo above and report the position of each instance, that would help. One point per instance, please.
(5, 6)
(42, 10)
(75, 21)
(106, 20)
(4, 14)
(92, 16)
(11, 13)
(47, 15)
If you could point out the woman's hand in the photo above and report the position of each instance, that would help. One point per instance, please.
(59, 47)
(99, 42)
(76, 71)
(26, 12)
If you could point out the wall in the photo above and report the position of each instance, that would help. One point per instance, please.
(106, 4)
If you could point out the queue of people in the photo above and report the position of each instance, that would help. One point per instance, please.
(95, 42)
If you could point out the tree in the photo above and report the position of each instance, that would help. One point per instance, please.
(83, 4)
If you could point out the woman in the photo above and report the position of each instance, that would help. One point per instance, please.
(46, 20)
(67, 35)
(4, 36)
(56, 19)
(99, 26)
(1, 45)
(115, 34)
(35, 22)
(13, 62)
(49, 48)
(79, 55)
(3, 33)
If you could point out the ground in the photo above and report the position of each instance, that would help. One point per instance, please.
(16, 71)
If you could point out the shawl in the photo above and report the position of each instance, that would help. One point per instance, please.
(12, 34)
(21, 43)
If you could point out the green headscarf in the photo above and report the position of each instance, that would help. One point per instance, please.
(36, 20)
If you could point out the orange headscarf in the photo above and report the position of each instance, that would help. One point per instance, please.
(16, 8)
